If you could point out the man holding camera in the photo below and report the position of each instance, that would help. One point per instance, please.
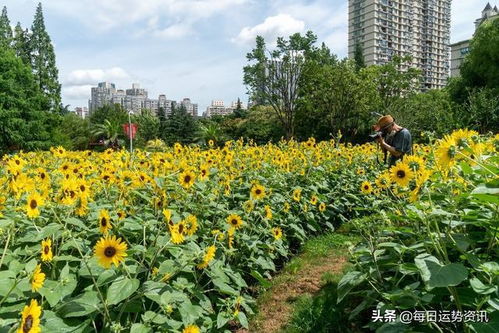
(392, 138)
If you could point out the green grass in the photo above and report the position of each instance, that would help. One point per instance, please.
(312, 253)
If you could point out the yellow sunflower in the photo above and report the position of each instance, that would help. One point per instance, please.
(177, 233)
(186, 178)
(286, 207)
(383, 181)
(268, 212)
(192, 224)
(366, 187)
(46, 250)
(446, 153)
(277, 232)
(104, 221)
(33, 203)
(297, 194)
(248, 206)
(30, 322)
(314, 200)
(257, 192)
(208, 257)
(191, 329)
(37, 278)
(235, 221)
(322, 207)
(204, 171)
(110, 250)
(401, 174)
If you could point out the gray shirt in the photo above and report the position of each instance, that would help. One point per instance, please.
(402, 142)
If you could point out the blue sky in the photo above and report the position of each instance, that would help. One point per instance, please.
(185, 48)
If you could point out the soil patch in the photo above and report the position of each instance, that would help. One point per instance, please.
(275, 312)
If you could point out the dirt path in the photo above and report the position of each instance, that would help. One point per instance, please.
(275, 311)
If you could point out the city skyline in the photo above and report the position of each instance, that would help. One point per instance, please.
(193, 49)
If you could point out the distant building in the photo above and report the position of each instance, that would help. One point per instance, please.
(81, 112)
(134, 100)
(191, 108)
(417, 28)
(218, 108)
(460, 49)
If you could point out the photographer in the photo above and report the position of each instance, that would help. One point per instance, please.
(393, 139)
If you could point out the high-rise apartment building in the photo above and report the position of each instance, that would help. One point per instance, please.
(383, 29)
(218, 108)
(460, 49)
(134, 100)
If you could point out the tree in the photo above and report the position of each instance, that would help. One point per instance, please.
(359, 57)
(77, 130)
(432, 111)
(110, 132)
(272, 76)
(180, 127)
(110, 112)
(20, 44)
(148, 127)
(210, 131)
(23, 124)
(43, 61)
(5, 29)
(480, 68)
(333, 96)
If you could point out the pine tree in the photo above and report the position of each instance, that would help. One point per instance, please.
(5, 29)
(20, 44)
(359, 57)
(43, 61)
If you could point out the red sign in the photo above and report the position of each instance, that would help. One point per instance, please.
(130, 134)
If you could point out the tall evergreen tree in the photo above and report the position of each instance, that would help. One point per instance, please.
(20, 44)
(43, 61)
(5, 29)
(359, 57)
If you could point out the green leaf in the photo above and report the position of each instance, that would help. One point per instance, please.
(242, 319)
(261, 279)
(52, 323)
(480, 288)
(190, 313)
(222, 319)
(82, 305)
(347, 282)
(436, 275)
(121, 289)
(140, 328)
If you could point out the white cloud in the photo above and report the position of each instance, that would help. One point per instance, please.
(93, 76)
(156, 14)
(76, 92)
(282, 25)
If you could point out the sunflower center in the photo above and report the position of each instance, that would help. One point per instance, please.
(18, 162)
(110, 251)
(42, 175)
(82, 188)
(187, 179)
(366, 187)
(46, 249)
(72, 194)
(401, 174)
(258, 191)
(106, 177)
(233, 222)
(203, 172)
(33, 204)
(103, 222)
(28, 324)
(180, 228)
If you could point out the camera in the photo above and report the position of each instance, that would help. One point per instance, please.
(376, 135)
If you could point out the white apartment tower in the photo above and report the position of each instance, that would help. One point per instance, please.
(418, 28)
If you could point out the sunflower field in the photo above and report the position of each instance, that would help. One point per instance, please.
(176, 239)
